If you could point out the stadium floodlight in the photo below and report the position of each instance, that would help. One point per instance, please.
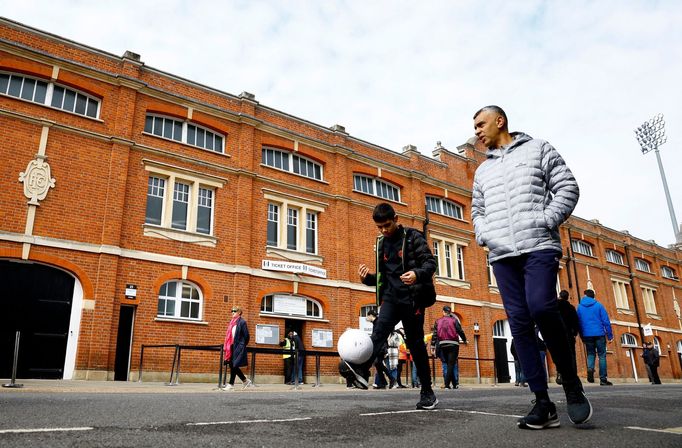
(650, 135)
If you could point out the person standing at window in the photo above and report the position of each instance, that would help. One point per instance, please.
(236, 340)
(652, 359)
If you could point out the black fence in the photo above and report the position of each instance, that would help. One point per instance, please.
(253, 351)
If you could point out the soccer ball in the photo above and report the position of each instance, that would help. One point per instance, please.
(355, 346)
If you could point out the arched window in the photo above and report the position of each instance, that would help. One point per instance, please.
(499, 330)
(49, 94)
(291, 305)
(628, 340)
(179, 299)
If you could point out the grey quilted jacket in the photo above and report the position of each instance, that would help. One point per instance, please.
(521, 194)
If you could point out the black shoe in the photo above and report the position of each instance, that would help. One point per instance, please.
(578, 406)
(543, 415)
(402, 386)
(558, 379)
(590, 375)
(354, 374)
(605, 382)
(427, 400)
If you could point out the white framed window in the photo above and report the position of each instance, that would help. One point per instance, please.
(181, 131)
(614, 257)
(444, 207)
(292, 163)
(620, 293)
(449, 255)
(179, 299)
(668, 272)
(376, 187)
(286, 304)
(582, 247)
(628, 340)
(642, 265)
(292, 224)
(649, 299)
(179, 200)
(49, 94)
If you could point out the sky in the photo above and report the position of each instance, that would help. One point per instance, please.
(580, 74)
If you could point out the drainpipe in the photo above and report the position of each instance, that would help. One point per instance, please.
(634, 296)
(571, 257)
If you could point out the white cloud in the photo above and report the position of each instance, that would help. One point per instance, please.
(580, 74)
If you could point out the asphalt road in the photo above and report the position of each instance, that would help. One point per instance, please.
(268, 416)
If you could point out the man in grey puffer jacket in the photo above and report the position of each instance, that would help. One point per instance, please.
(522, 192)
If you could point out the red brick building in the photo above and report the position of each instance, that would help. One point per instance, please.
(137, 208)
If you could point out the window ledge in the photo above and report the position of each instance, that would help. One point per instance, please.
(293, 255)
(654, 316)
(453, 282)
(493, 289)
(625, 311)
(200, 239)
(179, 320)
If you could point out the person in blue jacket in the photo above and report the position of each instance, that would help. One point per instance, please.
(595, 329)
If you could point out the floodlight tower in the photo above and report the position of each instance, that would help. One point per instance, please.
(651, 135)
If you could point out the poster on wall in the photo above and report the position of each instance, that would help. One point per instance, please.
(285, 304)
(267, 334)
(323, 338)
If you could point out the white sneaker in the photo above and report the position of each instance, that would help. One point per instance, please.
(248, 383)
(227, 387)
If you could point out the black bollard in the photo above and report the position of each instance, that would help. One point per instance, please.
(13, 381)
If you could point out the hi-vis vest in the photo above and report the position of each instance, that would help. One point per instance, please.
(287, 348)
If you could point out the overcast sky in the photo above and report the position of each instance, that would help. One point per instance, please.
(580, 74)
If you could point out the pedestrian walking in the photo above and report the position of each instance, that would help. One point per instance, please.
(522, 192)
(570, 319)
(448, 332)
(236, 340)
(595, 330)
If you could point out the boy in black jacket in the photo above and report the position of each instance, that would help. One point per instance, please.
(405, 268)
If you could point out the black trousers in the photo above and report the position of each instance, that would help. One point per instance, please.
(413, 324)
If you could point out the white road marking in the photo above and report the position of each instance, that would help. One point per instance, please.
(398, 412)
(239, 422)
(436, 410)
(677, 431)
(483, 413)
(21, 431)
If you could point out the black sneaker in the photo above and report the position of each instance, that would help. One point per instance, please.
(354, 374)
(605, 382)
(427, 400)
(558, 379)
(578, 406)
(543, 415)
(590, 375)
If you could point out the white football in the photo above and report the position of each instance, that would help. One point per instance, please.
(355, 346)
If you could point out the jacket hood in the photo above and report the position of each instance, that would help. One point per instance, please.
(519, 138)
(587, 301)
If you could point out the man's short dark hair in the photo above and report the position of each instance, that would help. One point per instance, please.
(563, 294)
(372, 313)
(589, 293)
(496, 109)
(383, 212)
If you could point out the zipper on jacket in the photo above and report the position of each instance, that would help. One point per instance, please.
(506, 197)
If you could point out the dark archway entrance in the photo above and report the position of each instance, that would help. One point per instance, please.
(36, 300)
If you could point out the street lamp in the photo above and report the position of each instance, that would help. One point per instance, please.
(651, 135)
